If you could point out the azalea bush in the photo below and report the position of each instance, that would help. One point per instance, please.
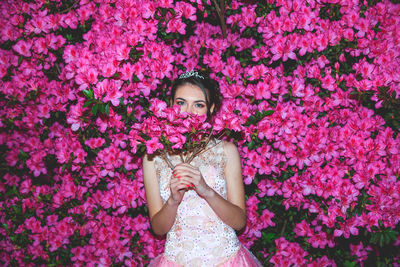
(311, 94)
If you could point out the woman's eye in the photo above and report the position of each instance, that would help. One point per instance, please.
(199, 105)
(180, 103)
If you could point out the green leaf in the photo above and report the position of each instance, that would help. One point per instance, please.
(94, 109)
(251, 120)
(251, 145)
(382, 240)
(23, 154)
(5, 226)
(354, 93)
(269, 237)
(17, 209)
(349, 263)
(102, 108)
(268, 112)
(107, 111)
(88, 103)
(228, 80)
(88, 93)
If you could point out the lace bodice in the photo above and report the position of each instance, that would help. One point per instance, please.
(198, 237)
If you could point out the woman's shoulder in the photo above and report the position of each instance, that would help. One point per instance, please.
(229, 147)
(225, 150)
(231, 153)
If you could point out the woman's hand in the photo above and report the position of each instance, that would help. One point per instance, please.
(193, 178)
(178, 189)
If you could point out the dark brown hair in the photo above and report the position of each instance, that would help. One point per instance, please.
(210, 88)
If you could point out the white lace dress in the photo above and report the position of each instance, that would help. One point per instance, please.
(198, 236)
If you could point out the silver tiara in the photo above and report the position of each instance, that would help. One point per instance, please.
(190, 74)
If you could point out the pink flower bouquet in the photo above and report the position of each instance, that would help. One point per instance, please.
(168, 131)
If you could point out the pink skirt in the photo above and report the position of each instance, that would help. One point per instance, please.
(243, 258)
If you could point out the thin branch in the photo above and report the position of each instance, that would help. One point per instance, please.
(204, 148)
(199, 148)
(166, 159)
(221, 14)
(58, 68)
(69, 8)
(284, 227)
(223, 7)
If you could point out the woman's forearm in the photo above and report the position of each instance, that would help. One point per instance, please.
(163, 220)
(229, 213)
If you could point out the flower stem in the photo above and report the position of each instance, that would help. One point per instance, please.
(165, 157)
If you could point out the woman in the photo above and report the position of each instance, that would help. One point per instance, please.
(198, 205)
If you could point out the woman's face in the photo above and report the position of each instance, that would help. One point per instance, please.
(191, 99)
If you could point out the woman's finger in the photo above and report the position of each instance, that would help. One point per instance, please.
(191, 174)
(181, 183)
(188, 181)
(185, 166)
(186, 176)
(188, 172)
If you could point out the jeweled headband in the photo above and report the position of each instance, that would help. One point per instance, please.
(190, 74)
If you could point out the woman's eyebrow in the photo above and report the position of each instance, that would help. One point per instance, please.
(197, 101)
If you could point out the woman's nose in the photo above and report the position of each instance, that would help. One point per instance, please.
(184, 108)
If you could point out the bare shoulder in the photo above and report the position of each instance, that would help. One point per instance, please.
(233, 175)
(230, 149)
(231, 154)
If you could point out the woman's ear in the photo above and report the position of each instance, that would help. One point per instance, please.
(212, 108)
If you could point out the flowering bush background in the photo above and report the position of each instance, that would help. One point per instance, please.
(311, 98)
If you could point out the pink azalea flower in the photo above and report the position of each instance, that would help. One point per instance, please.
(362, 26)
(346, 228)
(176, 25)
(303, 229)
(266, 218)
(318, 240)
(158, 107)
(26, 186)
(283, 49)
(95, 142)
(113, 92)
(152, 145)
(23, 47)
(36, 164)
(360, 251)
(74, 117)
(79, 254)
(11, 179)
(186, 10)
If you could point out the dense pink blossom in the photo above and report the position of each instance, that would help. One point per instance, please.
(288, 254)
(73, 180)
(360, 251)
